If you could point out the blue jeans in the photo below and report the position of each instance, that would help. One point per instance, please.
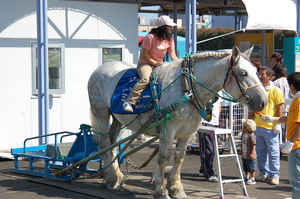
(294, 172)
(249, 165)
(267, 149)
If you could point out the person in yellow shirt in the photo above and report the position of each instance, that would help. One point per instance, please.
(292, 145)
(267, 134)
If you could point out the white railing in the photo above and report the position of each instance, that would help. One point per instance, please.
(231, 116)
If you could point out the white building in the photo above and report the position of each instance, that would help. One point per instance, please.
(82, 35)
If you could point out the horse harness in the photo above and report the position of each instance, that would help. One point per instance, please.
(189, 95)
(190, 92)
(189, 88)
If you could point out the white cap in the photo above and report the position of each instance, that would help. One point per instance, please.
(165, 20)
(250, 125)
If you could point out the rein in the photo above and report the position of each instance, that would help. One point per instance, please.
(189, 72)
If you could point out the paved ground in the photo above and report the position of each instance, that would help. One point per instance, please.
(19, 186)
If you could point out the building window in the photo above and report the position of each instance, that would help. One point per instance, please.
(56, 69)
(110, 52)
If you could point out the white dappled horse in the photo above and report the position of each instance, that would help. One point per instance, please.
(230, 71)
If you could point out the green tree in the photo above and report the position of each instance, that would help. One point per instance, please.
(215, 44)
(279, 35)
(227, 42)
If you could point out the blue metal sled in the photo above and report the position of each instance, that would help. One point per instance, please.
(83, 146)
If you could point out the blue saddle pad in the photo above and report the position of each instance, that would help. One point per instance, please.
(122, 91)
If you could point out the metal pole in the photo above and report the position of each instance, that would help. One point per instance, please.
(175, 28)
(194, 28)
(231, 120)
(140, 147)
(263, 47)
(187, 26)
(216, 37)
(43, 85)
(298, 17)
(46, 74)
(231, 116)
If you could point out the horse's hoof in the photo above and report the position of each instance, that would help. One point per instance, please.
(162, 197)
(122, 184)
(112, 187)
(179, 196)
(177, 192)
(185, 197)
(117, 186)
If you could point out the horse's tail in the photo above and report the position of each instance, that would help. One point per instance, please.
(93, 121)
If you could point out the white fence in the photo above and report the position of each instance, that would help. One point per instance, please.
(231, 116)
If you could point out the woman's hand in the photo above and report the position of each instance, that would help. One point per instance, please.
(158, 63)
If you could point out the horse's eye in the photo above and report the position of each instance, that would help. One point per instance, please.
(244, 73)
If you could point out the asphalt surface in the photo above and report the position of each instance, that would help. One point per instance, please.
(21, 186)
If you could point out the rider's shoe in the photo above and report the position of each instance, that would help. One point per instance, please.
(127, 107)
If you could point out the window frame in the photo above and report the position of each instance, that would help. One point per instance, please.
(110, 45)
(59, 91)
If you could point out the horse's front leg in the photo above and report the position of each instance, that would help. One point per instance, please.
(174, 185)
(165, 147)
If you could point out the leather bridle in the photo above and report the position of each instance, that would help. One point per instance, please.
(233, 75)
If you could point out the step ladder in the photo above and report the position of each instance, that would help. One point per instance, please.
(215, 132)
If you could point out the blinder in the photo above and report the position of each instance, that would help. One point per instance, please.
(232, 72)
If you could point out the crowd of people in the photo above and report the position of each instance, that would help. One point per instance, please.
(277, 119)
(276, 131)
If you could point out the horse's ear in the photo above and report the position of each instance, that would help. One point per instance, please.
(235, 52)
(248, 52)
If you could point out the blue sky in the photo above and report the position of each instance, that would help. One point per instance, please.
(149, 16)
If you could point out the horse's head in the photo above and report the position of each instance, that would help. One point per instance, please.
(242, 81)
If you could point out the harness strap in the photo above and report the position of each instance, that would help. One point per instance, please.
(150, 158)
(189, 88)
(186, 82)
(168, 109)
(153, 86)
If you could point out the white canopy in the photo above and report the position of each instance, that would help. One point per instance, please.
(271, 14)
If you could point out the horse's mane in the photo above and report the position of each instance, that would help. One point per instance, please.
(214, 55)
(210, 55)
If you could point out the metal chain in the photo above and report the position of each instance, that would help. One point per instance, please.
(130, 163)
(73, 177)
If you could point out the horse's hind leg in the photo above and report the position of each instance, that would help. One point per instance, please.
(112, 174)
(174, 185)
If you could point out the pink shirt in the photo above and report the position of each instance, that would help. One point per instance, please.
(156, 48)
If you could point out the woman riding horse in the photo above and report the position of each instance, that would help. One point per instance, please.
(154, 47)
